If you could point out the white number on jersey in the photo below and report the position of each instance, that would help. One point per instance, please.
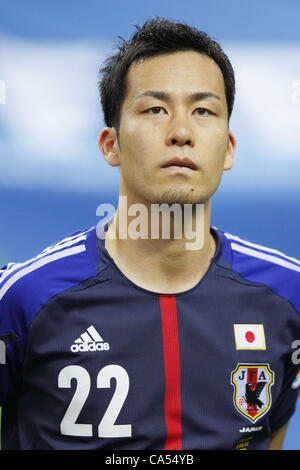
(107, 426)
(68, 426)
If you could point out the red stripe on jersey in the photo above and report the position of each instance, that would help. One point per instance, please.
(172, 372)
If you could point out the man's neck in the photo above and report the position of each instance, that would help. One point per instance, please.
(162, 265)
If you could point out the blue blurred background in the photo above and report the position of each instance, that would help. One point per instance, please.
(52, 175)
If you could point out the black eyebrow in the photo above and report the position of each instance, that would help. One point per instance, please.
(202, 95)
(161, 95)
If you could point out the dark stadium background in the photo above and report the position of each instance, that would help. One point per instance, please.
(49, 188)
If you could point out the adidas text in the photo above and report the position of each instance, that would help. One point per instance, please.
(90, 347)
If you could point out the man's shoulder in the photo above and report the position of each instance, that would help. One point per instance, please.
(31, 283)
(263, 264)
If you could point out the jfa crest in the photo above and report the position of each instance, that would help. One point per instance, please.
(252, 395)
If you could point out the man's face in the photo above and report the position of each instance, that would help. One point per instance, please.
(165, 117)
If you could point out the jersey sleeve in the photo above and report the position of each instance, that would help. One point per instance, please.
(26, 287)
(285, 404)
(281, 275)
(13, 337)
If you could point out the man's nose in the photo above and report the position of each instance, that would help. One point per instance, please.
(180, 133)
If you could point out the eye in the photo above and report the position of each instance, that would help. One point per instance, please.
(155, 110)
(202, 111)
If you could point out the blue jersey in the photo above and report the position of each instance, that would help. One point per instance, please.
(90, 360)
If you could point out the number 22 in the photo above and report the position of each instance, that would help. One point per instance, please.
(107, 426)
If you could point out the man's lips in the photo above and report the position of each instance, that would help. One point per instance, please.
(178, 163)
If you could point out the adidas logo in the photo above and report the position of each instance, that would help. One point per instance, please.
(90, 340)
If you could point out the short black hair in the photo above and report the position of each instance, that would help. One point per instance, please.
(156, 37)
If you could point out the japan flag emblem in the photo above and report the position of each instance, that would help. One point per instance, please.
(249, 336)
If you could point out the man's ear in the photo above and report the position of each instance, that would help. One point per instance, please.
(228, 163)
(108, 144)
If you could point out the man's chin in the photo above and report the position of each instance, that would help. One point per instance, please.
(179, 197)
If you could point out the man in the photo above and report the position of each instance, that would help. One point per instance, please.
(127, 342)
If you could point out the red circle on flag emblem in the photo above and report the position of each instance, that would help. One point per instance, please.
(250, 337)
